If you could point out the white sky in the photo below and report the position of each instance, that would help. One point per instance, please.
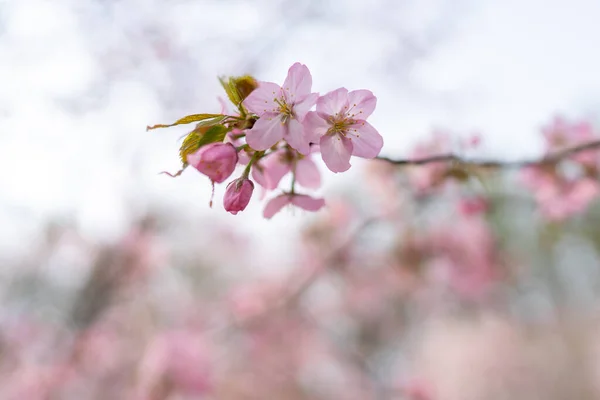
(80, 80)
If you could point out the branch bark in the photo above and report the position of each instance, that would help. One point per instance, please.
(547, 159)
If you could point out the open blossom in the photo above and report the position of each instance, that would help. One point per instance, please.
(269, 171)
(299, 200)
(215, 160)
(238, 195)
(281, 111)
(340, 126)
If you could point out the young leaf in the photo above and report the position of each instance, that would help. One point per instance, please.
(230, 90)
(238, 87)
(244, 85)
(187, 120)
(214, 134)
(200, 137)
(210, 122)
(190, 144)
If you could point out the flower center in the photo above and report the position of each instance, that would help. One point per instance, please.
(340, 124)
(284, 109)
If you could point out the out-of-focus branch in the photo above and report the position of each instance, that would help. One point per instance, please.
(296, 291)
(548, 159)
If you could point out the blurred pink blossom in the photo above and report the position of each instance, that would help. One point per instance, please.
(299, 200)
(269, 171)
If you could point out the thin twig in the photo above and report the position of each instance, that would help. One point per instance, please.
(296, 292)
(548, 159)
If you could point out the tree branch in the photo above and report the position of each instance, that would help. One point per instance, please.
(547, 159)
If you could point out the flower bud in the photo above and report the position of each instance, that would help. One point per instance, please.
(238, 194)
(215, 160)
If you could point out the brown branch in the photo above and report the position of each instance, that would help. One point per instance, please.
(547, 159)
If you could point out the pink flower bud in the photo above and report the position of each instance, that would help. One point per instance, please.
(238, 195)
(215, 160)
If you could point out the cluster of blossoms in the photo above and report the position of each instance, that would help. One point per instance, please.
(275, 133)
(566, 186)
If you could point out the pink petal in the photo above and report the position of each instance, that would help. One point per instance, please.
(303, 106)
(273, 169)
(308, 203)
(262, 99)
(366, 141)
(582, 194)
(275, 205)
(336, 151)
(333, 102)
(296, 138)
(362, 103)
(315, 126)
(267, 131)
(298, 82)
(307, 173)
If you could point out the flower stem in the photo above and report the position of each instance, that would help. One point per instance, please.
(255, 157)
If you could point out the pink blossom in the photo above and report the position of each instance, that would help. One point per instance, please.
(238, 194)
(180, 358)
(269, 171)
(341, 127)
(215, 160)
(562, 134)
(473, 206)
(558, 197)
(564, 199)
(281, 111)
(299, 200)
(465, 258)
(235, 138)
(425, 178)
(418, 389)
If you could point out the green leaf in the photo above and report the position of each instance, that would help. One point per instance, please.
(244, 85)
(200, 137)
(230, 90)
(189, 119)
(238, 87)
(211, 122)
(214, 134)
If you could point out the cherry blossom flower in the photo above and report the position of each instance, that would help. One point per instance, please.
(299, 200)
(269, 171)
(281, 111)
(340, 126)
(238, 194)
(215, 160)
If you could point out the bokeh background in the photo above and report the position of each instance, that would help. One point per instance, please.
(94, 239)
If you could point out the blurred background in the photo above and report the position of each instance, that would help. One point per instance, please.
(121, 283)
